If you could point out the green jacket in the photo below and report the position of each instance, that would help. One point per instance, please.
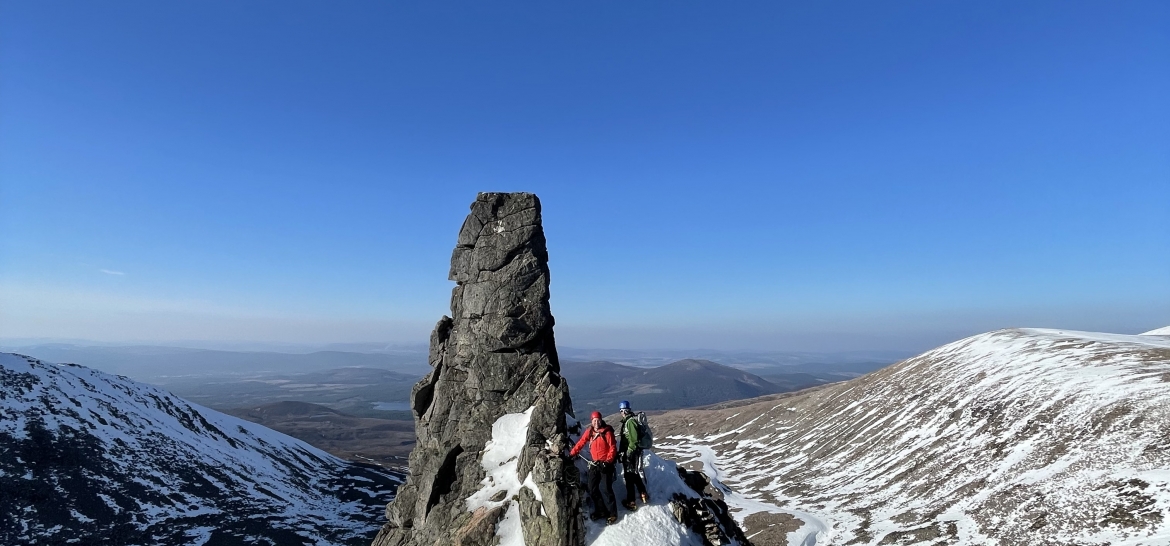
(630, 435)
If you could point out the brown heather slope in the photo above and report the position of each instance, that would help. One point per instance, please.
(364, 439)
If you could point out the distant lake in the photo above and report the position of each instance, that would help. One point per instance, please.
(391, 406)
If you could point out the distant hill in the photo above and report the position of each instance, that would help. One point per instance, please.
(383, 441)
(789, 382)
(758, 362)
(682, 384)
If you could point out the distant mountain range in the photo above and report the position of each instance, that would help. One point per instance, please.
(758, 362)
(166, 363)
(161, 364)
(92, 458)
(686, 383)
(361, 383)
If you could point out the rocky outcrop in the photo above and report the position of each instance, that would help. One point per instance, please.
(494, 361)
(707, 514)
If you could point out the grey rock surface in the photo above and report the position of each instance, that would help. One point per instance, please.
(494, 356)
(707, 515)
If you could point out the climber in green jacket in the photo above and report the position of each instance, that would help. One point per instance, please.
(630, 453)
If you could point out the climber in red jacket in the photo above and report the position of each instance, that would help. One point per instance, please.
(603, 449)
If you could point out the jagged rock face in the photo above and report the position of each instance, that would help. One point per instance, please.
(706, 514)
(495, 357)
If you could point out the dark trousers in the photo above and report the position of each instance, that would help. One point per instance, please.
(631, 476)
(604, 504)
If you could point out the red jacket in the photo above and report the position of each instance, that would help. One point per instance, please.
(602, 445)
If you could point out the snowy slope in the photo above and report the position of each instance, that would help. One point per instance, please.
(1163, 331)
(1010, 437)
(88, 457)
(650, 525)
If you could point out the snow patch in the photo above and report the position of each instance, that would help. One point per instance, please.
(500, 457)
(651, 524)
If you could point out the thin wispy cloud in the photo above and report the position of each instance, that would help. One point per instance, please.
(109, 272)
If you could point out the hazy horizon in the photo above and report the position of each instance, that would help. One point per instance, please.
(827, 343)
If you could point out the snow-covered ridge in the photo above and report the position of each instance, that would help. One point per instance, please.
(99, 458)
(1010, 437)
(1163, 331)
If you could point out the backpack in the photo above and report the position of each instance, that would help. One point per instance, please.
(645, 435)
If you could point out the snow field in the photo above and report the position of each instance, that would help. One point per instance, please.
(651, 524)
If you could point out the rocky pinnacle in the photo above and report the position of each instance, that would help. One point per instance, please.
(494, 356)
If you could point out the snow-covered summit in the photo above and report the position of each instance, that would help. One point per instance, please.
(1163, 331)
(1010, 437)
(88, 457)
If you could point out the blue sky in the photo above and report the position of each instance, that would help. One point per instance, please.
(755, 175)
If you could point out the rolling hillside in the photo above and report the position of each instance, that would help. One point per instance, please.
(1010, 437)
(686, 383)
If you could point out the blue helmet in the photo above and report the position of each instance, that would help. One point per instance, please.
(625, 405)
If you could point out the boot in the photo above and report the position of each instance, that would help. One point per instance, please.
(645, 498)
(629, 505)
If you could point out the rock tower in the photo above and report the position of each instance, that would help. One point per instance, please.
(494, 368)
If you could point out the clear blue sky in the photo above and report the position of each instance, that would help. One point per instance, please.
(757, 175)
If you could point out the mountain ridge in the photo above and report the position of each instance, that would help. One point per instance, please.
(1023, 435)
(89, 454)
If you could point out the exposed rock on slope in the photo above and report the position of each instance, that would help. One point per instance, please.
(705, 513)
(495, 379)
(1014, 437)
(88, 457)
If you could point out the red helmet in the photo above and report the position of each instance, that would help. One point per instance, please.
(595, 415)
